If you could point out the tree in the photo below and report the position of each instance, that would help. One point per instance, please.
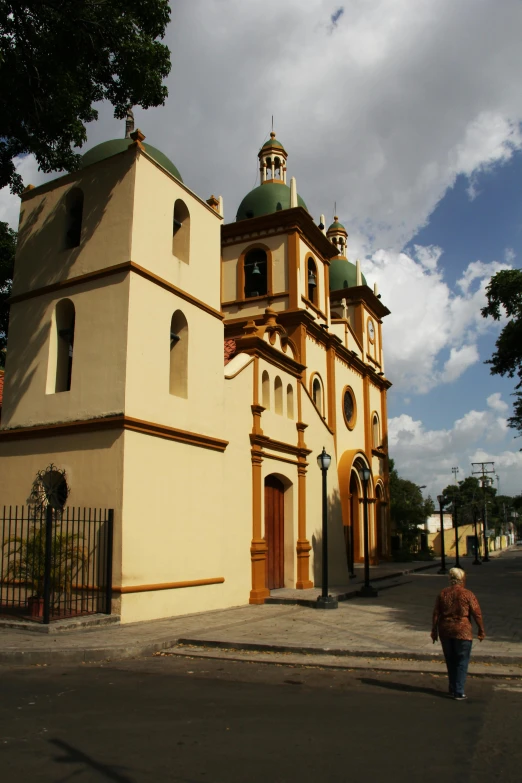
(505, 291)
(58, 58)
(7, 255)
(408, 509)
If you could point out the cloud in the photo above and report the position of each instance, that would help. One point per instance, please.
(381, 118)
(427, 456)
(496, 403)
(431, 336)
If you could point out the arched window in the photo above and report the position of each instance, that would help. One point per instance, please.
(317, 394)
(265, 390)
(256, 273)
(74, 217)
(311, 280)
(278, 396)
(181, 231)
(376, 435)
(64, 344)
(178, 377)
(290, 401)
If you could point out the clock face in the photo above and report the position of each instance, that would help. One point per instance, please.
(349, 406)
(371, 329)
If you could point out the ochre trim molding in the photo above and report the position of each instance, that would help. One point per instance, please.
(120, 422)
(217, 580)
(127, 266)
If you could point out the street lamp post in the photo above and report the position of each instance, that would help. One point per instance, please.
(456, 526)
(442, 569)
(366, 591)
(476, 560)
(325, 601)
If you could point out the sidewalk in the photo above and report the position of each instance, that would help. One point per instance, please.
(393, 626)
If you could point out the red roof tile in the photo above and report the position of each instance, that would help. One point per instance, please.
(230, 350)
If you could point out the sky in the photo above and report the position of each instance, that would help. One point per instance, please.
(407, 115)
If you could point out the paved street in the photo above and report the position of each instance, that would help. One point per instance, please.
(396, 624)
(186, 720)
(398, 621)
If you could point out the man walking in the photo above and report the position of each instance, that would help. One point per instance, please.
(452, 614)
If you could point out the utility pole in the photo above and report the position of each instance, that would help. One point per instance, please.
(482, 469)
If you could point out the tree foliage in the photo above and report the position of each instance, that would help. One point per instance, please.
(504, 293)
(466, 501)
(58, 58)
(408, 509)
(7, 255)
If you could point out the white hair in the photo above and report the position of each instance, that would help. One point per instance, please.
(456, 575)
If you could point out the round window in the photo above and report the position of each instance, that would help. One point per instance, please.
(349, 408)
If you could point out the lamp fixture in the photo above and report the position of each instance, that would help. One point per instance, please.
(324, 460)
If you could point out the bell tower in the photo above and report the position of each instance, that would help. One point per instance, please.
(272, 161)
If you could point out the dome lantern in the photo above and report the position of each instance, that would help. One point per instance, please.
(338, 236)
(272, 161)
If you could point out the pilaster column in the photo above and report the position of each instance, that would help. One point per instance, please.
(258, 547)
(303, 547)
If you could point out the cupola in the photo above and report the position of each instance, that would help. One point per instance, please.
(272, 161)
(338, 236)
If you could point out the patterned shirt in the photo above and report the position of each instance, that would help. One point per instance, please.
(453, 609)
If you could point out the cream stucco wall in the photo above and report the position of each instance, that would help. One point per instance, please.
(42, 258)
(155, 194)
(93, 462)
(151, 308)
(98, 370)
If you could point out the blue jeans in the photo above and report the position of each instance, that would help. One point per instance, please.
(457, 653)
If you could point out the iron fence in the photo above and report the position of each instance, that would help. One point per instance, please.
(55, 563)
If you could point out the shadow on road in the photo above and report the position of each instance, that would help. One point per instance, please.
(76, 756)
(400, 686)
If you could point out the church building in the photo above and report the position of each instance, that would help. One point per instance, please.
(187, 373)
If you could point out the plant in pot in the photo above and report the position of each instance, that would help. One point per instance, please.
(27, 563)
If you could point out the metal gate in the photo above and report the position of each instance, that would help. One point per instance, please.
(55, 563)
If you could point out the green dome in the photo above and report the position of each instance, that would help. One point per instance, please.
(343, 274)
(265, 199)
(336, 226)
(273, 143)
(113, 147)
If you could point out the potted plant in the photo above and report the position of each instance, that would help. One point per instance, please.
(27, 563)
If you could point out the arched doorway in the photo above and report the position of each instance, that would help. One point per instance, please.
(355, 520)
(275, 532)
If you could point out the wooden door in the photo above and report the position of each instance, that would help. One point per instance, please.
(274, 532)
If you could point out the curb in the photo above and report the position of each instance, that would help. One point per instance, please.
(339, 653)
(375, 663)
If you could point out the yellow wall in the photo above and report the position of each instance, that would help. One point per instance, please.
(42, 258)
(100, 346)
(155, 195)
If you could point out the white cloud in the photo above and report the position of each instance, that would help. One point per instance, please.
(428, 321)
(459, 361)
(427, 456)
(496, 403)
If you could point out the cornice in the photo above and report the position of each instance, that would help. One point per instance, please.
(124, 268)
(117, 422)
(358, 294)
(286, 220)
